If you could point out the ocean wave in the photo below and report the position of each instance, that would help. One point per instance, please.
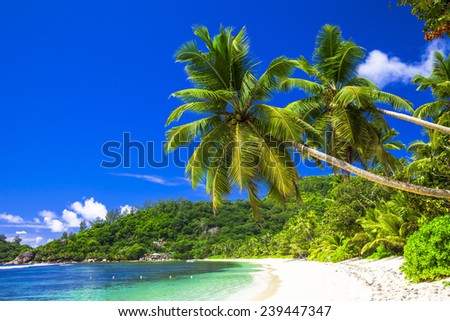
(13, 267)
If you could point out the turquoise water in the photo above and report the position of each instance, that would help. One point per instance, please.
(161, 281)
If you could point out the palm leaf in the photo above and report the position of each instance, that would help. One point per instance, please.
(197, 107)
(245, 156)
(305, 85)
(396, 102)
(183, 135)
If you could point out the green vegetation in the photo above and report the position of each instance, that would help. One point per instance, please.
(246, 143)
(427, 254)
(242, 138)
(339, 218)
(434, 13)
(10, 250)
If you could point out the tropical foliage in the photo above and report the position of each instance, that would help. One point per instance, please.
(10, 250)
(427, 254)
(242, 138)
(439, 83)
(246, 143)
(389, 224)
(435, 14)
(341, 105)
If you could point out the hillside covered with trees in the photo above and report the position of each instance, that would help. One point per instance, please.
(10, 250)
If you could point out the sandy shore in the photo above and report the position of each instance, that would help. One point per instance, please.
(284, 279)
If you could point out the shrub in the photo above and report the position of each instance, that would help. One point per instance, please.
(427, 252)
(380, 253)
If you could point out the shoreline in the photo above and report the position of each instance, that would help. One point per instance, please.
(301, 280)
(352, 280)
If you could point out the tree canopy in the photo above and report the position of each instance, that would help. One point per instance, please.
(434, 13)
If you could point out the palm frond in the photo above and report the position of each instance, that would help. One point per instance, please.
(327, 43)
(358, 96)
(213, 147)
(307, 86)
(197, 107)
(255, 202)
(278, 69)
(277, 166)
(351, 126)
(183, 135)
(304, 65)
(395, 101)
(281, 123)
(197, 94)
(362, 82)
(343, 66)
(430, 109)
(203, 33)
(217, 184)
(244, 157)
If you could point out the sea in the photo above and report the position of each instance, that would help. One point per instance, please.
(134, 281)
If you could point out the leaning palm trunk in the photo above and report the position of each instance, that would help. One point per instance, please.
(417, 121)
(407, 187)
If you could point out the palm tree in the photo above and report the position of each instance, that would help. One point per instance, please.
(343, 104)
(439, 83)
(390, 224)
(244, 142)
(241, 138)
(382, 155)
(429, 158)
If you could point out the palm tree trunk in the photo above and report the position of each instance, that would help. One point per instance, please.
(417, 121)
(407, 187)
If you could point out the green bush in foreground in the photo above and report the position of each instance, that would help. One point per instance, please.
(427, 252)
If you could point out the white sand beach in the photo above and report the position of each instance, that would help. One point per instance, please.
(366, 280)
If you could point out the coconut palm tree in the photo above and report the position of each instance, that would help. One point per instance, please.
(439, 83)
(382, 155)
(342, 104)
(241, 138)
(245, 142)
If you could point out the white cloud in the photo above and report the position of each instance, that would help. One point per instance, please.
(36, 220)
(71, 218)
(127, 209)
(34, 241)
(57, 226)
(90, 210)
(11, 218)
(21, 232)
(51, 222)
(38, 240)
(383, 69)
(47, 215)
(152, 179)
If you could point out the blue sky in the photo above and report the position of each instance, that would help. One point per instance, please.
(77, 74)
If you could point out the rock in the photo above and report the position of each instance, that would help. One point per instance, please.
(24, 258)
(89, 261)
(213, 231)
